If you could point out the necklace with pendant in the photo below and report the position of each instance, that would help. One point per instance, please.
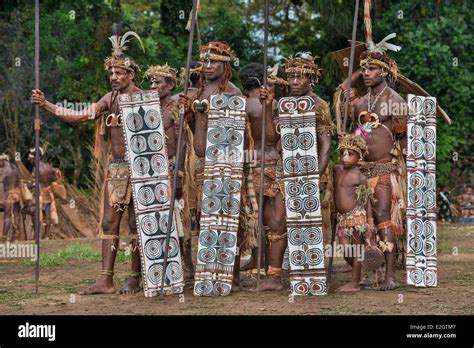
(372, 106)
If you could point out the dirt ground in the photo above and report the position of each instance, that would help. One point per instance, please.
(59, 284)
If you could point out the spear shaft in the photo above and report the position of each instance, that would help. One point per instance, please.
(260, 236)
(178, 152)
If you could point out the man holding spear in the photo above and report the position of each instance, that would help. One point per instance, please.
(117, 193)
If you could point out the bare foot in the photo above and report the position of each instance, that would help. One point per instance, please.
(131, 286)
(269, 284)
(349, 287)
(103, 285)
(389, 283)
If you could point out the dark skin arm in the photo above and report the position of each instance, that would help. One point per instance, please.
(271, 136)
(324, 150)
(324, 142)
(69, 115)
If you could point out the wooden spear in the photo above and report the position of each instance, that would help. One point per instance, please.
(178, 152)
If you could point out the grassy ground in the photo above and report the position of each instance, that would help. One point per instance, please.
(70, 265)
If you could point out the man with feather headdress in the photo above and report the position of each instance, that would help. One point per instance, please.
(117, 189)
(380, 116)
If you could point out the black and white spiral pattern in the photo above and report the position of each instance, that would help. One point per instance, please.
(300, 288)
(430, 134)
(308, 163)
(149, 225)
(222, 289)
(431, 277)
(134, 122)
(429, 107)
(203, 288)
(290, 141)
(141, 166)
(153, 249)
(235, 154)
(296, 236)
(291, 165)
(159, 163)
(310, 204)
(225, 256)
(231, 186)
(416, 276)
(174, 272)
(314, 256)
(161, 193)
(215, 153)
(152, 119)
(430, 229)
(305, 141)
(206, 255)
(163, 223)
(310, 188)
(212, 187)
(318, 287)
(293, 188)
(138, 144)
(173, 247)
(155, 141)
(154, 273)
(430, 247)
(234, 137)
(217, 135)
(429, 200)
(416, 105)
(417, 148)
(417, 132)
(145, 195)
(227, 240)
(236, 103)
(295, 204)
(211, 205)
(208, 238)
(313, 235)
(230, 205)
(219, 102)
(298, 258)
(430, 151)
(417, 180)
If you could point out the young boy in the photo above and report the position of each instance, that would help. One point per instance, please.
(352, 199)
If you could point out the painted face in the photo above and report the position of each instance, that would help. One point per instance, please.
(160, 84)
(349, 158)
(213, 70)
(300, 84)
(373, 75)
(120, 78)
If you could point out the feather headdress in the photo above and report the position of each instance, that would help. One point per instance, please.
(119, 41)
